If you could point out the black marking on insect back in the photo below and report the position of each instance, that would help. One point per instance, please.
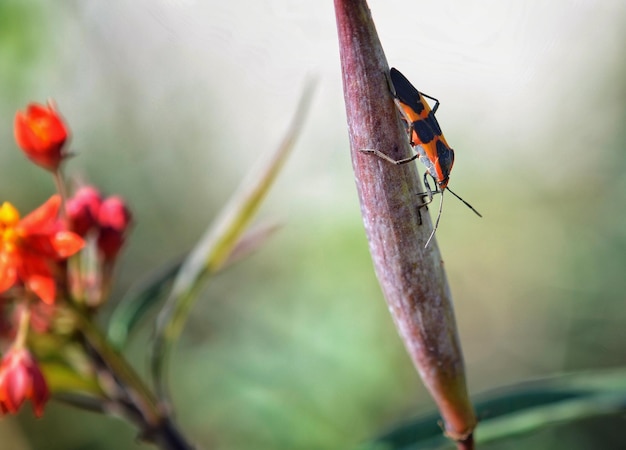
(424, 131)
(432, 121)
(446, 159)
(406, 92)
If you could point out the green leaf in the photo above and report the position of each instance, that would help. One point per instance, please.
(216, 246)
(519, 410)
(138, 301)
(63, 378)
(142, 297)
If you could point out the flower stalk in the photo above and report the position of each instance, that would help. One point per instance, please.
(139, 405)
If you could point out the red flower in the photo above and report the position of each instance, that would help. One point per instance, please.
(41, 133)
(114, 219)
(21, 379)
(30, 248)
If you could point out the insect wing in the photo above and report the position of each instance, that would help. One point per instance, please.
(407, 94)
(445, 160)
(425, 132)
(438, 159)
(410, 102)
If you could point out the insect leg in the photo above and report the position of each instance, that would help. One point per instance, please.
(429, 192)
(433, 99)
(432, 234)
(380, 154)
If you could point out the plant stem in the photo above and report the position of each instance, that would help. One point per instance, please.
(144, 409)
(169, 437)
(22, 330)
(62, 190)
(466, 444)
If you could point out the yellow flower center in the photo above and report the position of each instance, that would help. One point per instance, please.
(40, 127)
(9, 218)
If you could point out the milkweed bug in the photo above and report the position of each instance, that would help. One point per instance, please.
(425, 137)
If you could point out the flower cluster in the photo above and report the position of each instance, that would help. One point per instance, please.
(58, 257)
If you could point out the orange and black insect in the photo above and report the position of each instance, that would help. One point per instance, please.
(425, 137)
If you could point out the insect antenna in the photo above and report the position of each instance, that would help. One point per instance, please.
(432, 234)
(466, 204)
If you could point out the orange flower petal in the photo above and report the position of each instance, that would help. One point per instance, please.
(66, 243)
(38, 278)
(8, 272)
(43, 286)
(46, 123)
(23, 134)
(43, 217)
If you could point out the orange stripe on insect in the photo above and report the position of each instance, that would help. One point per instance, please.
(425, 137)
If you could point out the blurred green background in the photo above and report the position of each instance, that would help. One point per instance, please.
(171, 102)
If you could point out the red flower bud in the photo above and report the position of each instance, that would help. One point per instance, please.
(114, 219)
(114, 214)
(21, 379)
(41, 134)
(83, 210)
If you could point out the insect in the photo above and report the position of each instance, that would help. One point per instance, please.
(425, 137)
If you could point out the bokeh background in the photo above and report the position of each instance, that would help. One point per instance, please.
(171, 102)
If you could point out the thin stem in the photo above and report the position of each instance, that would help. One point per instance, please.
(466, 444)
(143, 407)
(146, 401)
(60, 185)
(169, 437)
(22, 330)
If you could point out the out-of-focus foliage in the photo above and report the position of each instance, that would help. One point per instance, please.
(20, 25)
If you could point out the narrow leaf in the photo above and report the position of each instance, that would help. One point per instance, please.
(62, 378)
(138, 301)
(216, 246)
(521, 410)
(141, 298)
